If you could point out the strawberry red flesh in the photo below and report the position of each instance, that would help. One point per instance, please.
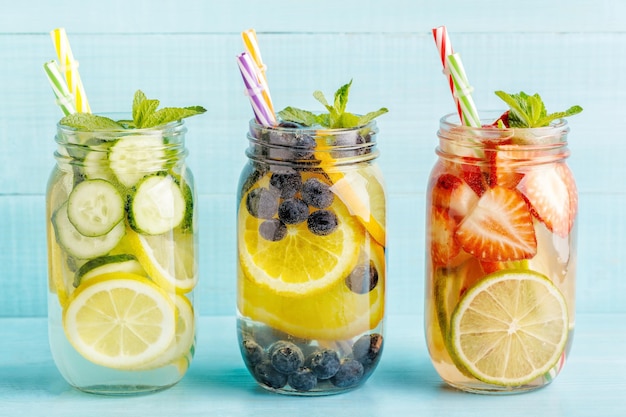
(552, 195)
(443, 246)
(499, 228)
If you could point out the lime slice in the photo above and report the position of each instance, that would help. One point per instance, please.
(169, 259)
(120, 321)
(510, 328)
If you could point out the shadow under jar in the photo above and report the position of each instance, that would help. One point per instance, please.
(501, 227)
(311, 258)
(122, 259)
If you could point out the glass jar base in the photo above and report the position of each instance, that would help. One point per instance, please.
(122, 390)
(313, 393)
(488, 389)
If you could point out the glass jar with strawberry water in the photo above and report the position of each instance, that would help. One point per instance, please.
(311, 258)
(500, 256)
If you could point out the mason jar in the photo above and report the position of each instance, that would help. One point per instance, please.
(311, 258)
(122, 258)
(501, 213)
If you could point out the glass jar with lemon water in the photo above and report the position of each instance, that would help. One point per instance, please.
(311, 258)
(122, 247)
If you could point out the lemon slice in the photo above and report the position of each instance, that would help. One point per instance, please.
(301, 263)
(120, 320)
(510, 328)
(180, 350)
(334, 314)
(362, 191)
(169, 259)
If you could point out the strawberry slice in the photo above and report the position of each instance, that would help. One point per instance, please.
(453, 193)
(499, 228)
(443, 246)
(552, 195)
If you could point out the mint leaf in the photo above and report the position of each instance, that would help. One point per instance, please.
(143, 108)
(90, 122)
(366, 118)
(302, 117)
(529, 111)
(170, 114)
(341, 98)
(336, 118)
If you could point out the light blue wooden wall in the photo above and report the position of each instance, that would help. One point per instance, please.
(182, 52)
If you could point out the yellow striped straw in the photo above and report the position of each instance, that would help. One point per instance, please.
(252, 48)
(69, 66)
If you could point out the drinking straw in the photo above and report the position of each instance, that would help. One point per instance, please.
(463, 91)
(442, 41)
(65, 99)
(254, 90)
(252, 48)
(69, 66)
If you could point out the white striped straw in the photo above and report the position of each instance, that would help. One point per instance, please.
(70, 67)
(252, 48)
(65, 99)
(463, 91)
(254, 90)
(444, 47)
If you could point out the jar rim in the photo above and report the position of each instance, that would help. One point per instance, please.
(487, 117)
(307, 129)
(119, 116)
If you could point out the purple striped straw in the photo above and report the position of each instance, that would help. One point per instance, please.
(254, 90)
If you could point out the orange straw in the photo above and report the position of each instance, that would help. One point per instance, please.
(252, 48)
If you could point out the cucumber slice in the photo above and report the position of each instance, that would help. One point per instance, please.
(106, 264)
(94, 207)
(135, 156)
(157, 205)
(81, 246)
(96, 166)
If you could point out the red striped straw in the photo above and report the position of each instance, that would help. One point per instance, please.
(445, 49)
(254, 90)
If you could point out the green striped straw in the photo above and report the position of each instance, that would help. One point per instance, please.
(65, 99)
(463, 91)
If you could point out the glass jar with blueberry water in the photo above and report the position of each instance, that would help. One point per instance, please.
(311, 258)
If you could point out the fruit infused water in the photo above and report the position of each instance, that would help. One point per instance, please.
(122, 250)
(501, 249)
(311, 251)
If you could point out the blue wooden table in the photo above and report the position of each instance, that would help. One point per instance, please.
(184, 54)
(405, 383)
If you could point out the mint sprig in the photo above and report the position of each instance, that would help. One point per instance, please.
(529, 111)
(336, 117)
(144, 112)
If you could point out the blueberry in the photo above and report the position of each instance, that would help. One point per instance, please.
(287, 183)
(367, 348)
(262, 203)
(317, 194)
(363, 279)
(252, 352)
(286, 357)
(324, 363)
(293, 211)
(304, 145)
(273, 230)
(350, 373)
(302, 380)
(322, 222)
(290, 125)
(265, 373)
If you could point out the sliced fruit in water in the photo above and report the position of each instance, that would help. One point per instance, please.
(337, 313)
(509, 328)
(301, 263)
(499, 228)
(120, 321)
(169, 259)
